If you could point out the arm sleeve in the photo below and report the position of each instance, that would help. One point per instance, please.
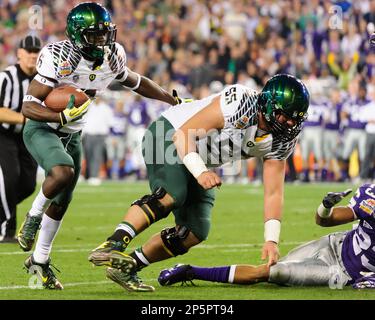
(239, 106)
(117, 63)
(281, 150)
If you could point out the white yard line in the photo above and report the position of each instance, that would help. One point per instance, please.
(73, 284)
(239, 247)
(87, 248)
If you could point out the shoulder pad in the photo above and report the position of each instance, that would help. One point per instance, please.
(65, 58)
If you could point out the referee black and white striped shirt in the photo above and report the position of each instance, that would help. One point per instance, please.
(13, 86)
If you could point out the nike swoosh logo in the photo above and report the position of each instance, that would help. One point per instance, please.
(44, 279)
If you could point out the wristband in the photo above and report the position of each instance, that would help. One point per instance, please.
(272, 230)
(194, 163)
(45, 81)
(31, 98)
(324, 212)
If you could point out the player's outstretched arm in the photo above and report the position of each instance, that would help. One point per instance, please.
(327, 215)
(147, 88)
(273, 180)
(9, 116)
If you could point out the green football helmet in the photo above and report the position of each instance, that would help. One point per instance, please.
(284, 94)
(89, 27)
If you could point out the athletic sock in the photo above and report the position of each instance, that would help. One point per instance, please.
(47, 234)
(217, 274)
(124, 233)
(40, 204)
(140, 257)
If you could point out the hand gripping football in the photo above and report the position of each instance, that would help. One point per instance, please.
(58, 98)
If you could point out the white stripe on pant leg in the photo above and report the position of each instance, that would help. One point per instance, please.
(3, 202)
(3, 229)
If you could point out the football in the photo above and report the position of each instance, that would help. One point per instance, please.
(58, 98)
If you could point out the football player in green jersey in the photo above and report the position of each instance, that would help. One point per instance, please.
(90, 59)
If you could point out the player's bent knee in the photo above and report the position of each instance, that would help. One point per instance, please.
(173, 240)
(151, 206)
(201, 229)
(280, 273)
(62, 174)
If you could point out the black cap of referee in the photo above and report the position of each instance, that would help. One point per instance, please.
(31, 44)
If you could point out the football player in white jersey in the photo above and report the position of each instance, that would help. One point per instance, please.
(90, 60)
(180, 147)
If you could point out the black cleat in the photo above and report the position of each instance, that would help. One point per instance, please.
(26, 234)
(44, 273)
(127, 276)
(102, 255)
(9, 240)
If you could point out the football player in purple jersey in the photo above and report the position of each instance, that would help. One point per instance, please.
(354, 133)
(331, 135)
(311, 139)
(335, 260)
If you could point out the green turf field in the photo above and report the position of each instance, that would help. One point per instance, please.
(236, 237)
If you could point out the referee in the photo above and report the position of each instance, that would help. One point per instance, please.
(17, 167)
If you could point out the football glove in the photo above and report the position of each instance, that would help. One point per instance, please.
(365, 282)
(178, 99)
(333, 198)
(72, 113)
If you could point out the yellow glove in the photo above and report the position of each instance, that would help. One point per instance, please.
(355, 57)
(72, 113)
(178, 99)
(331, 58)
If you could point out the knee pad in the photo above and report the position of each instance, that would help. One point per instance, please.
(280, 273)
(152, 207)
(173, 240)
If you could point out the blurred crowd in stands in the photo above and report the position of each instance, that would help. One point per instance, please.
(199, 46)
